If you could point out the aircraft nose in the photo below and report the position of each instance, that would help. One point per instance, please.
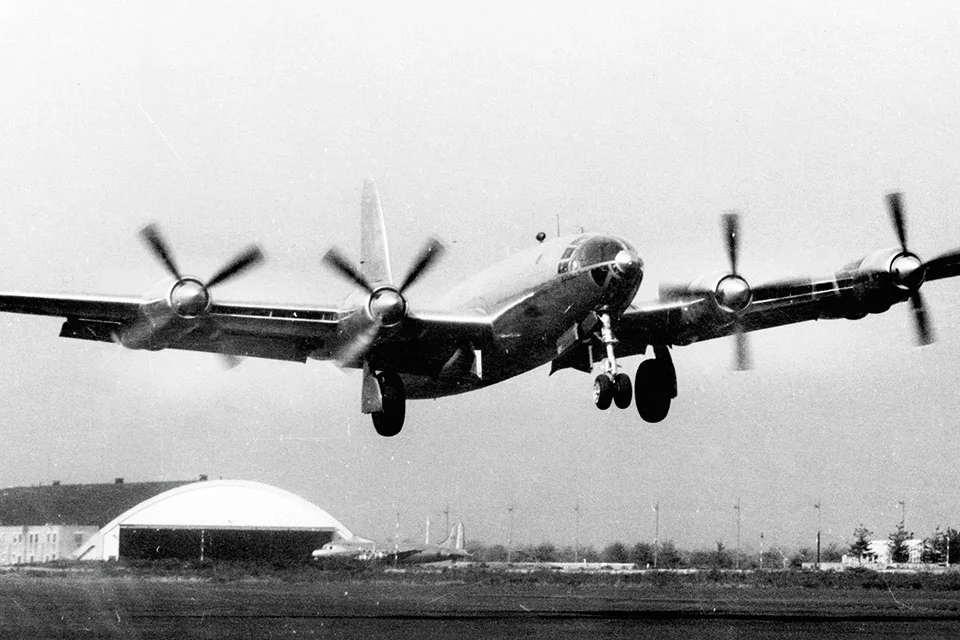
(627, 263)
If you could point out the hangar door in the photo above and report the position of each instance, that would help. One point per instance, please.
(221, 543)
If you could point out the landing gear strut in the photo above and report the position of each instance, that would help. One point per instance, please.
(389, 420)
(611, 385)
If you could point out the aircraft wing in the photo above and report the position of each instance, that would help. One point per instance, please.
(696, 318)
(279, 332)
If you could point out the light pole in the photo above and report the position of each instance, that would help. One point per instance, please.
(656, 535)
(737, 507)
(761, 550)
(510, 536)
(903, 513)
(576, 548)
(817, 507)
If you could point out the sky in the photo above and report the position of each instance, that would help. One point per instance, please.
(232, 123)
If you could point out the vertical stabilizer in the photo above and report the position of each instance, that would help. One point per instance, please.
(374, 256)
(455, 539)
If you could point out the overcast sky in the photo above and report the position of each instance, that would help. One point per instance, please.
(229, 123)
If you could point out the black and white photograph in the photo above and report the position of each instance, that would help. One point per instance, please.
(504, 319)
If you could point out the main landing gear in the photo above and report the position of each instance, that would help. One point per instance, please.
(655, 386)
(388, 421)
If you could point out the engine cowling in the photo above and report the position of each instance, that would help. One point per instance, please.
(167, 317)
(879, 281)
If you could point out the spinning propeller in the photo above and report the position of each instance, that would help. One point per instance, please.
(386, 306)
(909, 272)
(189, 297)
(731, 292)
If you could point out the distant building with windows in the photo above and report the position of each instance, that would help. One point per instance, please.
(50, 522)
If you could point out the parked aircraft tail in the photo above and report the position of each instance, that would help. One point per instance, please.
(454, 539)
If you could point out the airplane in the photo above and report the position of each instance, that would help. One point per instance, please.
(568, 302)
(451, 548)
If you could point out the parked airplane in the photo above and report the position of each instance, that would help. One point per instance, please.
(452, 548)
(567, 301)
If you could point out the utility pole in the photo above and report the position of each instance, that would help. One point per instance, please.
(576, 548)
(761, 550)
(510, 537)
(737, 507)
(656, 535)
(817, 507)
(446, 514)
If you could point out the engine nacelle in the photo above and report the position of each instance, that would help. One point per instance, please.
(165, 318)
(880, 280)
(729, 292)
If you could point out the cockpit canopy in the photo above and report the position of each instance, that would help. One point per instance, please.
(589, 250)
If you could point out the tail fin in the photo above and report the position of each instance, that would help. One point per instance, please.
(374, 256)
(455, 539)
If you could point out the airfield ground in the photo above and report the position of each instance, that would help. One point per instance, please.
(214, 603)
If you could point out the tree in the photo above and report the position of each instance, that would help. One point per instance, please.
(899, 551)
(642, 554)
(861, 542)
(803, 554)
(668, 556)
(615, 552)
(832, 553)
(544, 552)
(938, 545)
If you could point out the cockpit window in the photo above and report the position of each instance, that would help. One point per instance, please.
(598, 250)
(587, 251)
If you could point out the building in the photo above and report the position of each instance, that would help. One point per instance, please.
(205, 520)
(44, 523)
(216, 520)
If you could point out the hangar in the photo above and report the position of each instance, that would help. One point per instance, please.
(216, 520)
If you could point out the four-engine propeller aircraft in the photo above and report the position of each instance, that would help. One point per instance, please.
(568, 301)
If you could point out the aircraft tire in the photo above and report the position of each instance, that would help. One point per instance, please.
(622, 390)
(653, 396)
(603, 391)
(389, 421)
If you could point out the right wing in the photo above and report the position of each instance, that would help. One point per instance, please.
(235, 329)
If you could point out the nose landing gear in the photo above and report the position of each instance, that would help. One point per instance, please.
(611, 385)
(655, 382)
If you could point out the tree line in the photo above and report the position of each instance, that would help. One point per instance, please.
(667, 556)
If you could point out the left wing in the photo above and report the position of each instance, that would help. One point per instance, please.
(727, 305)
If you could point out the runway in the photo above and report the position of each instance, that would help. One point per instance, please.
(127, 607)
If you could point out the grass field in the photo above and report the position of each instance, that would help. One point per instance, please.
(214, 602)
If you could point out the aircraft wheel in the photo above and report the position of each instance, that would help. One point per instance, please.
(603, 391)
(622, 390)
(652, 391)
(389, 421)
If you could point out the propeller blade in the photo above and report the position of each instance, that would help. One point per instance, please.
(895, 200)
(354, 351)
(922, 320)
(151, 234)
(742, 360)
(244, 260)
(731, 234)
(943, 266)
(429, 254)
(344, 267)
